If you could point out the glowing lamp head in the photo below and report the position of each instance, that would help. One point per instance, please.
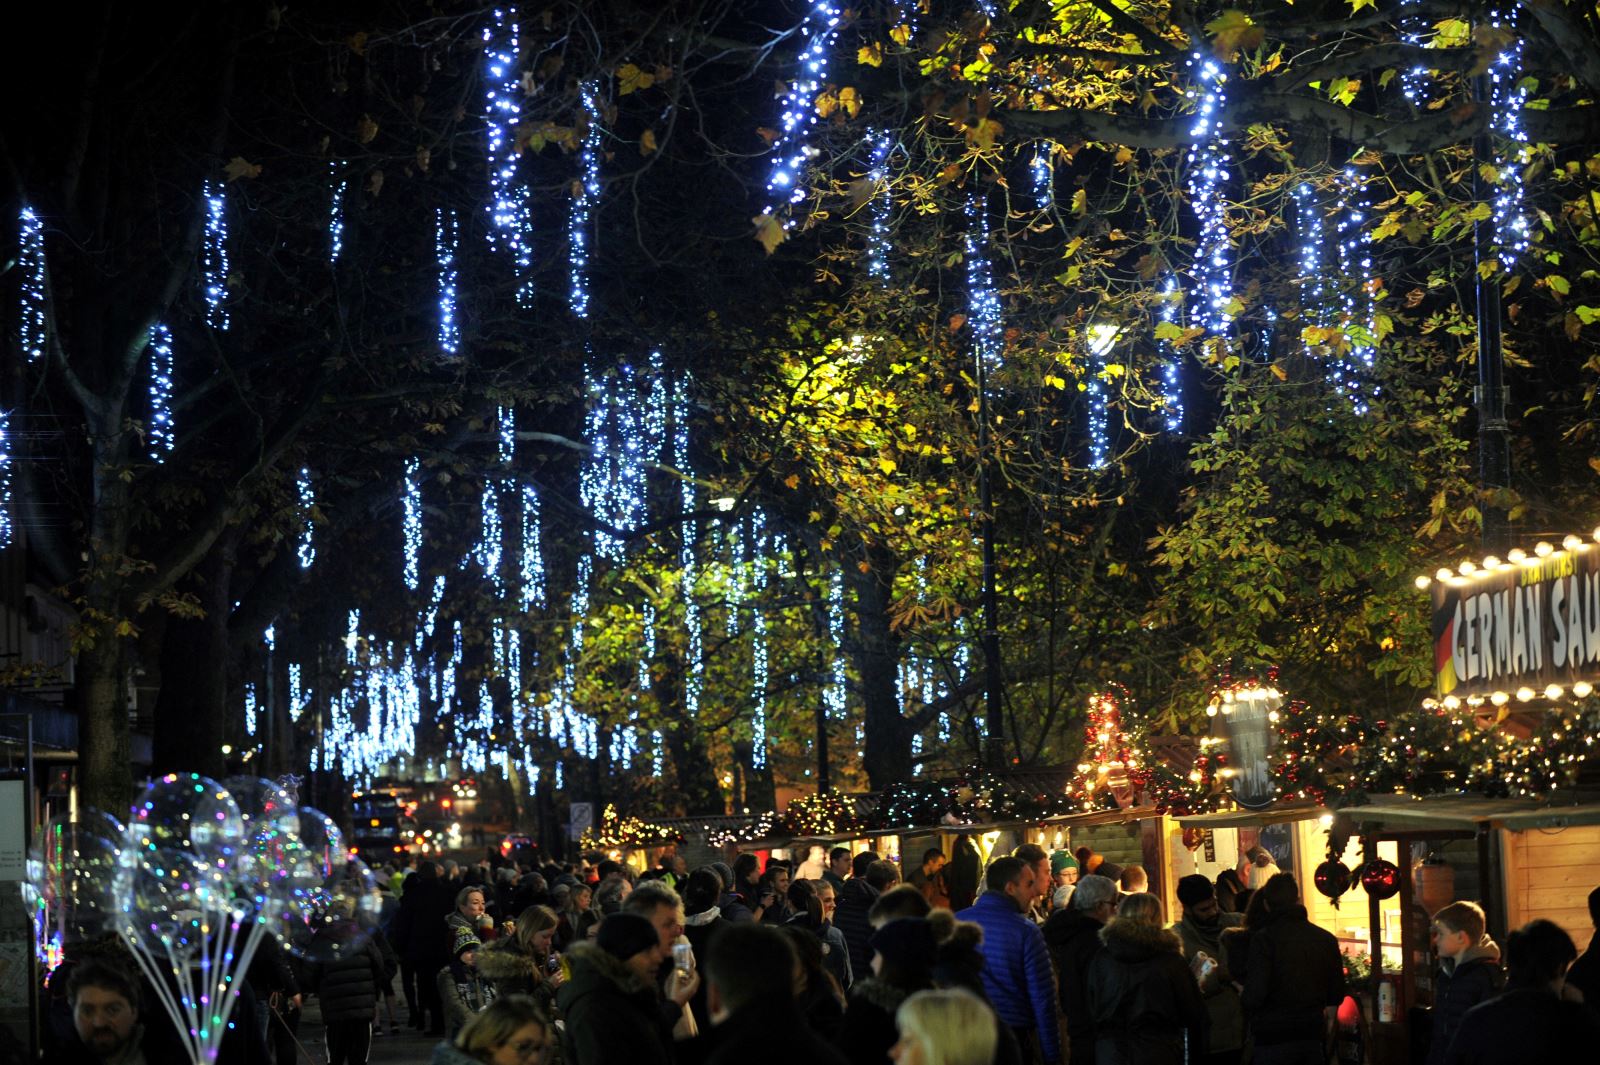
(1553, 691)
(1542, 549)
(1422, 582)
(1571, 543)
(1524, 695)
(1516, 554)
(1500, 698)
(1451, 702)
(1443, 574)
(1582, 689)
(1468, 568)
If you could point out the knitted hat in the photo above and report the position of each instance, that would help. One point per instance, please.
(1195, 888)
(906, 943)
(622, 935)
(1061, 860)
(466, 938)
(1092, 891)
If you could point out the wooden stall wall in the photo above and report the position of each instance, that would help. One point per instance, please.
(1549, 873)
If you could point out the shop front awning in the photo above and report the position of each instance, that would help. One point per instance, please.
(1467, 812)
(1275, 814)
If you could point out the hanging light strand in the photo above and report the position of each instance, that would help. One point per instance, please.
(446, 241)
(163, 435)
(7, 528)
(306, 548)
(983, 301)
(510, 218)
(411, 528)
(1351, 373)
(1172, 361)
(1508, 97)
(216, 256)
(878, 242)
(31, 268)
(531, 575)
(585, 195)
(1208, 161)
(791, 150)
(339, 186)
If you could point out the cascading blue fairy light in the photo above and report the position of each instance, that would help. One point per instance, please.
(1172, 363)
(1208, 161)
(585, 195)
(31, 268)
(1100, 340)
(1309, 260)
(490, 549)
(834, 692)
(694, 663)
(983, 301)
(163, 429)
(1043, 175)
(758, 639)
(506, 434)
(215, 257)
(297, 693)
(411, 524)
(446, 241)
(1413, 79)
(735, 581)
(251, 710)
(531, 576)
(339, 186)
(306, 548)
(509, 216)
(612, 482)
(1350, 373)
(791, 150)
(878, 242)
(7, 529)
(1508, 96)
(430, 616)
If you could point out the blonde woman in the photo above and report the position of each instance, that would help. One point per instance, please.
(511, 1031)
(526, 963)
(952, 1027)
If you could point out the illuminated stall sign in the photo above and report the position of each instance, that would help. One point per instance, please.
(1526, 626)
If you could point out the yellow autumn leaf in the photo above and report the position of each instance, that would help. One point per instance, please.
(983, 134)
(647, 141)
(1231, 32)
(1124, 154)
(850, 100)
(792, 481)
(1279, 372)
(240, 167)
(366, 129)
(826, 103)
(870, 55)
(886, 465)
(631, 79)
(769, 231)
(1080, 201)
(901, 33)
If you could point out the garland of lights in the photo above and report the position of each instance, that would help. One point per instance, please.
(1171, 361)
(339, 186)
(1110, 761)
(983, 300)
(215, 256)
(878, 242)
(510, 220)
(1101, 340)
(1349, 373)
(446, 240)
(31, 268)
(825, 814)
(411, 527)
(799, 114)
(585, 194)
(531, 575)
(7, 530)
(615, 830)
(758, 643)
(1208, 162)
(305, 491)
(490, 549)
(1508, 96)
(163, 435)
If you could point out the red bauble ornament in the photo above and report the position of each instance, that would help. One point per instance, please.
(1332, 878)
(1380, 878)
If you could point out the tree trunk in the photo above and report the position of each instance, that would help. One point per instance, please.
(696, 776)
(877, 656)
(192, 709)
(104, 758)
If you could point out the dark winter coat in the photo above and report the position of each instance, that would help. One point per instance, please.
(1223, 1005)
(822, 1010)
(850, 918)
(415, 928)
(1585, 974)
(1295, 972)
(1073, 938)
(1524, 1024)
(270, 972)
(1462, 985)
(1142, 997)
(345, 969)
(835, 951)
(868, 1030)
(700, 929)
(610, 1013)
(1236, 952)
(962, 874)
(772, 1033)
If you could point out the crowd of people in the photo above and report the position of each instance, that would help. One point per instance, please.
(1037, 959)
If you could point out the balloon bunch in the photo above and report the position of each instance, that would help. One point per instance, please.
(193, 881)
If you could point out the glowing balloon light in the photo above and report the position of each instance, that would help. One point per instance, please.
(163, 435)
(31, 268)
(1208, 162)
(446, 240)
(215, 256)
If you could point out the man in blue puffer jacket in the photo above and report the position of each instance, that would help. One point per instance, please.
(1017, 972)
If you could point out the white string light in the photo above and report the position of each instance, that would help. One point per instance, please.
(340, 185)
(1350, 374)
(585, 195)
(411, 529)
(490, 550)
(7, 529)
(983, 302)
(446, 240)
(216, 256)
(1044, 175)
(1413, 79)
(791, 150)
(758, 645)
(1101, 340)
(306, 549)
(1172, 363)
(1507, 98)
(834, 693)
(688, 580)
(878, 242)
(31, 268)
(510, 220)
(531, 576)
(250, 710)
(1208, 162)
(163, 435)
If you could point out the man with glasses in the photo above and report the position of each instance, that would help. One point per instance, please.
(1073, 936)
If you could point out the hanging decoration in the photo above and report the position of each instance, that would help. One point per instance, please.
(1207, 164)
(1508, 96)
(1380, 878)
(531, 575)
(7, 528)
(446, 240)
(215, 257)
(758, 640)
(616, 831)
(983, 300)
(835, 691)
(878, 242)
(31, 268)
(1043, 175)
(339, 185)
(825, 814)
(585, 195)
(1245, 713)
(1171, 361)
(1101, 340)
(1109, 771)
(163, 435)
(411, 524)
(1351, 373)
(791, 151)
(305, 492)
(510, 219)
(915, 804)
(1333, 879)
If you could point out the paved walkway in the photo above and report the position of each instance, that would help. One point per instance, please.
(410, 1047)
